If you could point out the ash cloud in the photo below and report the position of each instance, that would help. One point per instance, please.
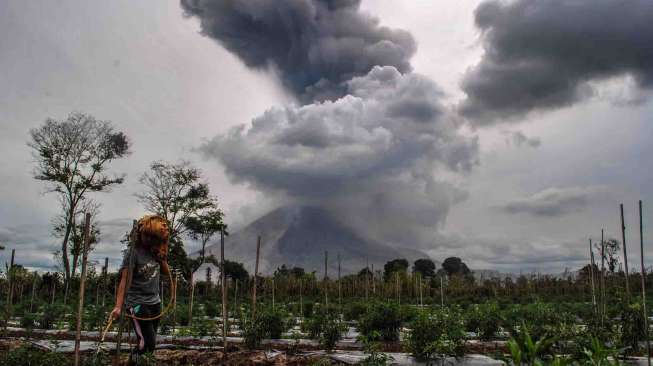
(542, 55)
(553, 202)
(315, 46)
(379, 156)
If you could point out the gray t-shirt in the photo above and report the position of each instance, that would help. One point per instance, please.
(144, 287)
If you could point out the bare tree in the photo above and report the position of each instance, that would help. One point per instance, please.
(72, 155)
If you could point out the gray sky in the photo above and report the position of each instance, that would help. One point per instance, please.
(550, 174)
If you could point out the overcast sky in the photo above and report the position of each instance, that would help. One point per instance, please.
(537, 120)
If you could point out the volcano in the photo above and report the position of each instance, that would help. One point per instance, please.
(299, 236)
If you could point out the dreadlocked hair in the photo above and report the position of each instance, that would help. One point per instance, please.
(152, 233)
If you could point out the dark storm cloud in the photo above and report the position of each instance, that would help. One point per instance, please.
(543, 54)
(314, 45)
(519, 139)
(380, 154)
(553, 201)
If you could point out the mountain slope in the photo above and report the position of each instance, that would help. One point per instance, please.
(299, 236)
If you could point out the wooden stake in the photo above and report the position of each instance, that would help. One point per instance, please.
(105, 273)
(225, 313)
(31, 302)
(397, 287)
(623, 240)
(192, 295)
(592, 277)
(258, 251)
(10, 294)
(82, 283)
(441, 292)
(602, 278)
(641, 246)
(339, 286)
(373, 282)
(367, 280)
(301, 301)
(326, 275)
(273, 286)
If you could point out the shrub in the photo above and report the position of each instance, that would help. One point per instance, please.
(437, 333)
(355, 310)
(29, 355)
(386, 318)
(268, 323)
(484, 319)
(28, 321)
(325, 326)
(632, 327)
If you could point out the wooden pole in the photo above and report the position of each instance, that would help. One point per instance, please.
(602, 277)
(623, 240)
(225, 314)
(367, 280)
(10, 295)
(397, 287)
(236, 297)
(192, 296)
(82, 283)
(273, 288)
(339, 285)
(258, 252)
(301, 301)
(592, 277)
(326, 275)
(441, 293)
(105, 273)
(31, 302)
(641, 246)
(373, 282)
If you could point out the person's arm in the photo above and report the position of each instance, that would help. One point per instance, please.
(120, 297)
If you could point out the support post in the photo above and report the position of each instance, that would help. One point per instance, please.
(602, 278)
(623, 241)
(339, 285)
(592, 278)
(82, 283)
(258, 252)
(641, 246)
(225, 313)
(441, 292)
(326, 275)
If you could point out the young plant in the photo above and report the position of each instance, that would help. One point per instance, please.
(372, 348)
(437, 333)
(382, 320)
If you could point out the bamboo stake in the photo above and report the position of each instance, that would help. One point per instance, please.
(31, 302)
(273, 286)
(592, 277)
(441, 293)
(82, 283)
(192, 297)
(339, 285)
(225, 314)
(367, 280)
(397, 287)
(104, 279)
(10, 294)
(258, 251)
(373, 282)
(326, 275)
(623, 238)
(602, 278)
(641, 246)
(301, 301)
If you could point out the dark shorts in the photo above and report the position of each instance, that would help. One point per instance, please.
(145, 329)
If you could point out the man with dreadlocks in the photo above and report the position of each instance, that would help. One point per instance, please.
(144, 260)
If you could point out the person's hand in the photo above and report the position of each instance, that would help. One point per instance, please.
(115, 313)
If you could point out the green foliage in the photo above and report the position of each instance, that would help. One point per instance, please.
(394, 266)
(425, 267)
(383, 319)
(325, 326)
(372, 348)
(632, 326)
(27, 355)
(524, 350)
(354, 310)
(437, 333)
(485, 319)
(267, 323)
(599, 355)
(28, 321)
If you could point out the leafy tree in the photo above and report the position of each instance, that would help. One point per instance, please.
(365, 272)
(395, 265)
(425, 267)
(611, 253)
(455, 266)
(204, 226)
(72, 155)
(298, 272)
(77, 231)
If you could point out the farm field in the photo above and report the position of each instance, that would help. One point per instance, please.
(359, 319)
